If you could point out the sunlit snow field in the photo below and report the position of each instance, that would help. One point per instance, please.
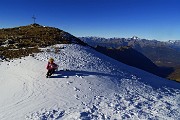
(87, 85)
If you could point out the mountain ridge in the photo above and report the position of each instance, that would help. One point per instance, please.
(131, 57)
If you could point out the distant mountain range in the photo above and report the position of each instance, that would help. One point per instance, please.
(163, 54)
(134, 42)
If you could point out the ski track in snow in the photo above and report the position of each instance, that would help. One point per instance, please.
(88, 85)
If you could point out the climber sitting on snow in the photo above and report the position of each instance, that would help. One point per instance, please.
(51, 67)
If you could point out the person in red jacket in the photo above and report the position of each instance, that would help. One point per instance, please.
(51, 67)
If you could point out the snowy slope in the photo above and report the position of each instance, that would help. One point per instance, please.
(88, 85)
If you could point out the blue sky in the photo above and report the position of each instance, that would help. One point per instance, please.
(151, 19)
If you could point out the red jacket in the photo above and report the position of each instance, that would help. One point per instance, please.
(51, 66)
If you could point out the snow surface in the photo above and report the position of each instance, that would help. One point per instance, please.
(88, 85)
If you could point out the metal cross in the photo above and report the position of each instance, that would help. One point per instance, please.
(34, 18)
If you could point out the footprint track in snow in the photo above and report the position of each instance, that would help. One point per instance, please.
(46, 115)
(76, 89)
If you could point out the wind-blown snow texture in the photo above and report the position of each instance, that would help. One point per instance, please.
(88, 85)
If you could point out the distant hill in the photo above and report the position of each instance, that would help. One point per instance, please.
(164, 54)
(23, 40)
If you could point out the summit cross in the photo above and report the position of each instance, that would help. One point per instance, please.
(34, 19)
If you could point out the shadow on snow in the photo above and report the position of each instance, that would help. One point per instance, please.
(118, 77)
(69, 73)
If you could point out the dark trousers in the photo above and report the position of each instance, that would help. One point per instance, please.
(50, 72)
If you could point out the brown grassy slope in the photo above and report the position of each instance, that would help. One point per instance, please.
(33, 35)
(176, 74)
(12, 40)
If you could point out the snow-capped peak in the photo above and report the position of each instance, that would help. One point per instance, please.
(135, 38)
